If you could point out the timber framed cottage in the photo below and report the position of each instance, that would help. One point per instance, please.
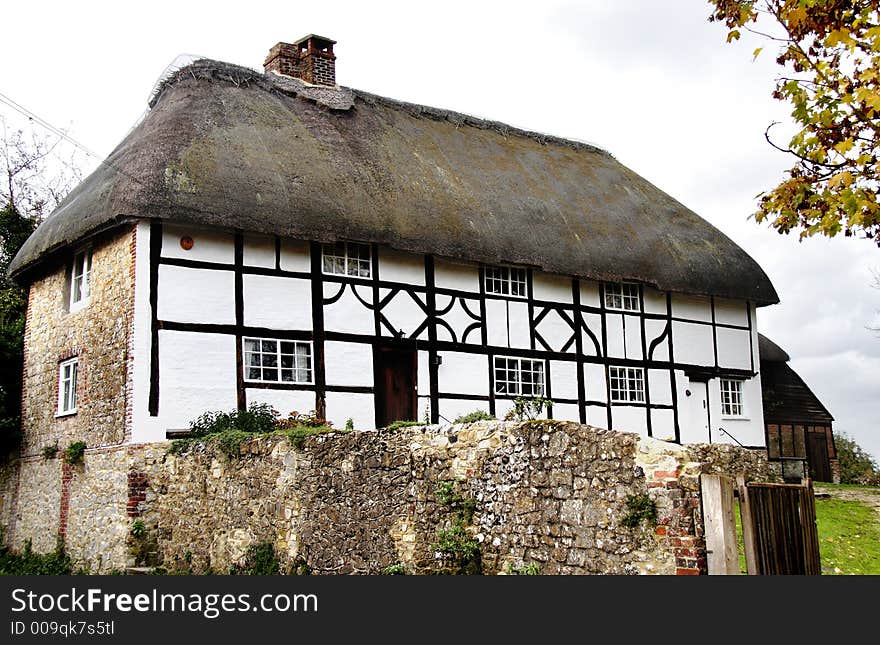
(274, 237)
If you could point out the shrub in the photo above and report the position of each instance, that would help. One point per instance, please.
(229, 441)
(138, 530)
(260, 560)
(259, 417)
(473, 417)
(397, 425)
(394, 570)
(856, 465)
(527, 408)
(299, 434)
(455, 543)
(74, 453)
(50, 452)
(28, 563)
(531, 569)
(638, 508)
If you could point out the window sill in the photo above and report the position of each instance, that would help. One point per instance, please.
(622, 311)
(735, 418)
(79, 306)
(61, 415)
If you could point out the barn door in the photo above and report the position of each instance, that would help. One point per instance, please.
(395, 379)
(817, 457)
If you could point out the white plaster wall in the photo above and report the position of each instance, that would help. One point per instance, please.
(518, 320)
(633, 334)
(143, 427)
(295, 255)
(589, 293)
(360, 408)
(731, 312)
(259, 251)
(462, 373)
(597, 416)
(348, 363)
(733, 348)
(748, 430)
(655, 301)
(629, 419)
(663, 424)
(284, 401)
(660, 386)
(196, 295)
(594, 324)
(277, 303)
(563, 379)
(208, 245)
(452, 408)
(502, 407)
(196, 375)
(456, 275)
(423, 382)
(423, 407)
(566, 412)
(614, 331)
(692, 343)
(496, 322)
(397, 266)
(347, 314)
(653, 330)
(594, 382)
(691, 307)
(554, 288)
(404, 314)
(555, 332)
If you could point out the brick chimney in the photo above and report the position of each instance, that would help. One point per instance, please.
(310, 58)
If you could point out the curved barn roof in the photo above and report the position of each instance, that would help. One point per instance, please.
(230, 147)
(770, 351)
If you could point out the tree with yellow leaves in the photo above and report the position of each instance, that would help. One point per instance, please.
(830, 52)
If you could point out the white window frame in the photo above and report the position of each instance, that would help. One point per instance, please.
(310, 368)
(627, 384)
(514, 364)
(81, 269)
(350, 263)
(626, 293)
(506, 280)
(732, 399)
(67, 382)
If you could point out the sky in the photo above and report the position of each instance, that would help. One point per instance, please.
(651, 82)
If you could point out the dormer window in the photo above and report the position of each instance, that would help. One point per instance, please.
(623, 296)
(346, 258)
(81, 280)
(506, 281)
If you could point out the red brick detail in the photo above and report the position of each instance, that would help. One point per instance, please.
(129, 371)
(137, 493)
(687, 572)
(66, 477)
(660, 530)
(665, 474)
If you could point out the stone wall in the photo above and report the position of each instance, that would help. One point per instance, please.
(98, 334)
(720, 458)
(548, 494)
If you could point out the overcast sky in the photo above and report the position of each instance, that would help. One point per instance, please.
(652, 82)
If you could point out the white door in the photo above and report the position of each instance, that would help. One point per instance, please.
(695, 428)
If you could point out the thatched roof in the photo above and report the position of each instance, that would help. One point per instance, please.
(770, 351)
(230, 147)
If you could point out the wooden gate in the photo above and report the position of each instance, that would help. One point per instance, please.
(778, 522)
(784, 521)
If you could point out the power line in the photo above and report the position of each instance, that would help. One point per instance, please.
(56, 131)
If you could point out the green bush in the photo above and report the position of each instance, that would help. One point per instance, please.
(639, 508)
(259, 417)
(260, 560)
(28, 563)
(299, 434)
(527, 408)
(856, 465)
(397, 425)
(473, 417)
(138, 530)
(531, 569)
(394, 570)
(455, 543)
(49, 452)
(74, 453)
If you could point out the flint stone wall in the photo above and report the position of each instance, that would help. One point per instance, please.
(548, 494)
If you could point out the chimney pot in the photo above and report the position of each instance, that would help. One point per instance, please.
(310, 58)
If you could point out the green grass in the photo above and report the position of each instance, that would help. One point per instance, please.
(849, 537)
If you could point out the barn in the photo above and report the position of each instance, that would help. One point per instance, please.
(798, 426)
(273, 237)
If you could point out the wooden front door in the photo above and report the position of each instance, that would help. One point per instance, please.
(395, 379)
(817, 457)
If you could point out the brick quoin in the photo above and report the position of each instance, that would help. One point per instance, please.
(66, 478)
(137, 493)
